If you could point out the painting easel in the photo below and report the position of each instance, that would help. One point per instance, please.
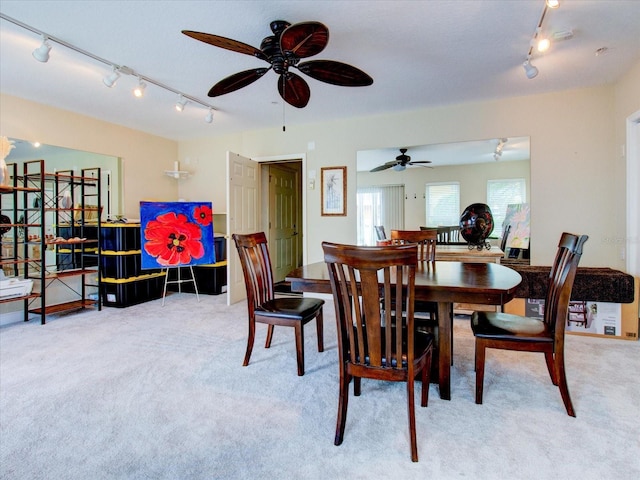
(179, 281)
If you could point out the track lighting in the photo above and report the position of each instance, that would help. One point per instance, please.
(530, 70)
(42, 55)
(180, 103)
(110, 80)
(42, 52)
(544, 44)
(139, 90)
(538, 41)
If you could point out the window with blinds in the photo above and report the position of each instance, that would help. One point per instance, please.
(443, 204)
(379, 205)
(501, 193)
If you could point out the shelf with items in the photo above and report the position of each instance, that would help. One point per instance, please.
(68, 205)
(22, 239)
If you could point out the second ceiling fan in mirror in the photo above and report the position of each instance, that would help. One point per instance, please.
(400, 163)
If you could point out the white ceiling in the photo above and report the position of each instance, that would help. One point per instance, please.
(419, 53)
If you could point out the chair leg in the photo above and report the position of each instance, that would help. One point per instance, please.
(320, 331)
(426, 378)
(412, 418)
(267, 342)
(480, 358)
(562, 382)
(357, 385)
(548, 357)
(252, 336)
(343, 401)
(299, 329)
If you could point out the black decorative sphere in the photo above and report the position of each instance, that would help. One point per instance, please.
(476, 223)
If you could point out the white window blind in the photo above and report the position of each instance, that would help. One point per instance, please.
(379, 205)
(501, 193)
(443, 204)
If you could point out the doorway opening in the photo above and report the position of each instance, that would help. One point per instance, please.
(282, 213)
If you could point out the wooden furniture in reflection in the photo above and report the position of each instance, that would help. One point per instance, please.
(461, 253)
(425, 239)
(374, 343)
(442, 282)
(262, 305)
(514, 332)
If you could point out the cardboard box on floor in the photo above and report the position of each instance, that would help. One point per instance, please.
(628, 316)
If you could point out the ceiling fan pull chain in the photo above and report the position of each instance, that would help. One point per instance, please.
(284, 85)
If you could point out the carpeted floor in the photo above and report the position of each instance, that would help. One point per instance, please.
(152, 392)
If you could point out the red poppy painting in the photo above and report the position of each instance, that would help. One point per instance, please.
(176, 234)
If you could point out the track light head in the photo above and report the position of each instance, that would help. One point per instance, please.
(138, 92)
(530, 70)
(41, 53)
(180, 103)
(209, 117)
(110, 80)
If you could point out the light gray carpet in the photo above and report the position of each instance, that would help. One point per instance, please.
(152, 392)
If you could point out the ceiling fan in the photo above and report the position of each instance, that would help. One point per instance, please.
(400, 163)
(283, 50)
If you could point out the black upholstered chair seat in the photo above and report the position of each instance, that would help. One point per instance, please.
(508, 326)
(293, 308)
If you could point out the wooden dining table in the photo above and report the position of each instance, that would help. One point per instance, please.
(443, 282)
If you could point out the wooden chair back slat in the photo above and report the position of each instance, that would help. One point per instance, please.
(425, 239)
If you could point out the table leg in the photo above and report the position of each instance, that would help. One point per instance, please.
(444, 357)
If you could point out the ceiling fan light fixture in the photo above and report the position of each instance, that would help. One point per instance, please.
(138, 92)
(111, 79)
(399, 167)
(530, 70)
(41, 53)
(553, 3)
(180, 104)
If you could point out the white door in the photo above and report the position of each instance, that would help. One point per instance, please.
(243, 216)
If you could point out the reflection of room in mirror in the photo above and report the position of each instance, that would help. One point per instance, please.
(60, 159)
(470, 166)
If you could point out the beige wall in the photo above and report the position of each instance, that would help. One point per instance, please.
(577, 170)
(145, 157)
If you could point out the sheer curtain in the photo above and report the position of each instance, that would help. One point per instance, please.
(379, 205)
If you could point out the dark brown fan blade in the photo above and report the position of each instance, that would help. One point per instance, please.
(304, 39)
(419, 161)
(294, 90)
(227, 43)
(383, 167)
(237, 81)
(335, 73)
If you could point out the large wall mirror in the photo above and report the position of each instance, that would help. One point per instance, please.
(474, 168)
(59, 158)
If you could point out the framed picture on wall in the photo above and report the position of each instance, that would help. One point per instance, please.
(333, 181)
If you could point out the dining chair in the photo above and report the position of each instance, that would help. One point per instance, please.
(426, 313)
(262, 304)
(374, 343)
(515, 332)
